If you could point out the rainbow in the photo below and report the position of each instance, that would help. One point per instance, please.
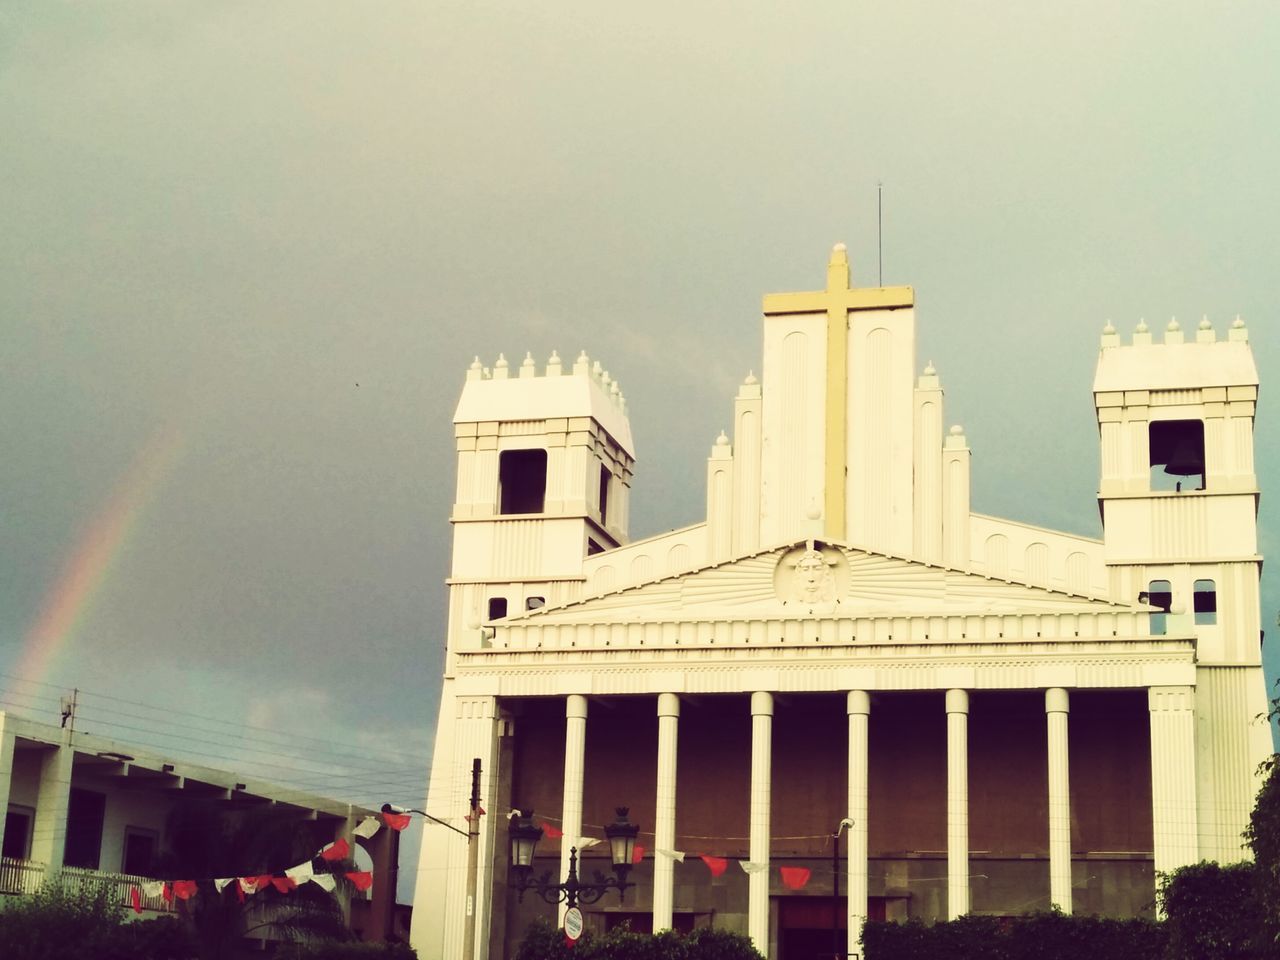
(69, 598)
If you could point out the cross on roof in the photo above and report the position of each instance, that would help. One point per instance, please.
(839, 295)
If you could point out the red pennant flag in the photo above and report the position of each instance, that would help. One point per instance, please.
(135, 898)
(569, 943)
(795, 878)
(637, 853)
(239, 892)
(553, 833)
(396, 821)
(184, 889)
(167, 892)
(337, 850)
(717, 865)
(360, 879)
(284, 884)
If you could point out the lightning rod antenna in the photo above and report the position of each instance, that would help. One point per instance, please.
(880, 230)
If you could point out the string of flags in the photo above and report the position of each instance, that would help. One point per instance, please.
(284, 882)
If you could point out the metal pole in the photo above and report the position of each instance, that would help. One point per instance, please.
(835, 904)
(473, 862)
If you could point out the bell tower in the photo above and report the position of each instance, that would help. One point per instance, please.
(545, 462)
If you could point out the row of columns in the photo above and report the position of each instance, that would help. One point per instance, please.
(1173, 798)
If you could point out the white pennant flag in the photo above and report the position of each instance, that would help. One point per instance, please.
(154, 888)
(324, 880)
(750, 866)
(367, 827)
(672, 854)
(222, 883)
(300, 872)
(584, 842)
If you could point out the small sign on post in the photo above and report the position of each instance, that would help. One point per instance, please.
(572, 925)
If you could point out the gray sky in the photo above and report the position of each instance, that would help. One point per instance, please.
(275, 235)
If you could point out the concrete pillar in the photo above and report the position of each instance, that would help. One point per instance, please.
(575, 750)
(7, 743)
(957, 803)
(859, 710)
(1173, 776)
(664, 827)
(761, 795)
(1056, 707)
(49, 833)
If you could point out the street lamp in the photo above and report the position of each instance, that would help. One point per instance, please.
(524, 838)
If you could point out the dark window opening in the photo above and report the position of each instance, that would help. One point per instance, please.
(522, 481)
(535, 603)
(497, 608)
(593, 548)
(1160, 594)
(139, 851)
(85, 813)
(17, 833)
(1177, 455)
(605, 476)
(1205, 601)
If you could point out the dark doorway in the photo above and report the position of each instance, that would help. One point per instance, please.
(805, 926)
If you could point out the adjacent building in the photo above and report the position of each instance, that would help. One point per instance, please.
(917, 710)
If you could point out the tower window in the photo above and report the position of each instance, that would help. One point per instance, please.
(497, 608)
(1160, 594)
(535, 603)
(1177, 454)
(604, 493)
(1205, 599)
(522, 481)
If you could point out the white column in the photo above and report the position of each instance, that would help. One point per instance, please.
(859, 710)
(49, 832)
(1173, 776)
(1056, 707)
(664, 827)
(575, 748)
(957, 803)
(7, 747)
(761, 795)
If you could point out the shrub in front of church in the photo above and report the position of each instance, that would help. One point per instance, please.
(545, 942)
(1041, 936)
(1214, 912)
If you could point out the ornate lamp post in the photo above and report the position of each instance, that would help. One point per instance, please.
(622, 842)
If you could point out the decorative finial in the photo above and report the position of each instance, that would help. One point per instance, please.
(751, 378)
(1237, 323)
(1142, 327)
(722, 440)
(582, 365)
(1205, 324)
(500, 368)
(1173, 324)
(957, 430)
(930, 370)
(528, 368)
(476, 370)
(553, 365)
(1109, 328)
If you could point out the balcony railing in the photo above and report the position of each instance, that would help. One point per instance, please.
(27, 876)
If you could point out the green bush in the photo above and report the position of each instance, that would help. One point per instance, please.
(1213, 912)
(545, 942)
(1042, 936)
(349, 950)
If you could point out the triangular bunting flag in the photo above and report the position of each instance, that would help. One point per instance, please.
(300, 872)
(396, 821)
(794, 878)
(367, 827)
(584, 842)
(184, 889)
(337, 850)
(637, 854)
(671, 854)
(135, 898)
(222, 883)
(360, 879)
(552, 832)
(153, 888)
(717, 865)
(284, 884)
(167, 892)
(751, 866)
(325, 881)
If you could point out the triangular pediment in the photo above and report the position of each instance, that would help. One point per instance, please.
(808, 579)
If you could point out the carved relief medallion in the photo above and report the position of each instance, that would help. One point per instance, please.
(815, 575)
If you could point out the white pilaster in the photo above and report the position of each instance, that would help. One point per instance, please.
(859, 710)
(664, 827)
(575, 748)
(761, 794)
(957, 803)
(928, 467)
(1056, 707)
(1173, 776)
(7, 745)
(955, 499)
(49, 833)
(746, 467)
(720, 501)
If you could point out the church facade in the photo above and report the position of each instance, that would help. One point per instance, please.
(845, 695)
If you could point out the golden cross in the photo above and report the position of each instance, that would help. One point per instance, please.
(837, 302)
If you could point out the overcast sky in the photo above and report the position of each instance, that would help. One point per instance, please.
(266, 240)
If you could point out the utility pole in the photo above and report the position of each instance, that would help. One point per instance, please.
(835, 903)
(473, 862)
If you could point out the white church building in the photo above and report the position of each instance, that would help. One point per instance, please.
(1007, 717)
